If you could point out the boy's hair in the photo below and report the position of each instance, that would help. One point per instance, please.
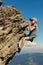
(31, 19)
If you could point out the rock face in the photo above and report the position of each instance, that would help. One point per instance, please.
(12, 28)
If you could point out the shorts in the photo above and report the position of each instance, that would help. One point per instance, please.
(31, 37)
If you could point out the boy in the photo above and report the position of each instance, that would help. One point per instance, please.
(33, 33)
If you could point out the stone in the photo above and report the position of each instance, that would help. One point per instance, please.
(12, 28)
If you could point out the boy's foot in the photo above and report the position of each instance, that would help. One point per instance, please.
(19, 49)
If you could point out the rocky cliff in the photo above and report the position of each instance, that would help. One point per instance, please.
(12, 28)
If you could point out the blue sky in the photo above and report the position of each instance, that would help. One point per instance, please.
(30, 9)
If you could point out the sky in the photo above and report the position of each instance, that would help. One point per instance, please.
(30, 9)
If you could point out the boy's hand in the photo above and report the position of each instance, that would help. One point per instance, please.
(31, 28)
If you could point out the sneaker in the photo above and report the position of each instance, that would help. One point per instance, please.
(19, 49)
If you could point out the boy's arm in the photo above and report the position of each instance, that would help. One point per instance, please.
(31, 28)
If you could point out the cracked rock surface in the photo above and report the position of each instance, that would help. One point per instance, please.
(12, 28)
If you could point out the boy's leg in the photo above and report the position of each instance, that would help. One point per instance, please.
(31, 38)
(23, 41)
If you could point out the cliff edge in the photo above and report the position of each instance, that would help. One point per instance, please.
(12, 28)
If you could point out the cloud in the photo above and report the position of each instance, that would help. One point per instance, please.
(32, 48)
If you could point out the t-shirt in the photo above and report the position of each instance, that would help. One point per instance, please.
(34, 32)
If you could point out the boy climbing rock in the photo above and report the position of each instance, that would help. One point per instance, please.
(32, 34)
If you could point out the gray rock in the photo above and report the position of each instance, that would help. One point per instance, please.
(12, 27)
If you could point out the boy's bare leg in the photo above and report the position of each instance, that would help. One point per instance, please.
(23, 41)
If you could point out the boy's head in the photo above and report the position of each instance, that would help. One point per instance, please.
(33, 20)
